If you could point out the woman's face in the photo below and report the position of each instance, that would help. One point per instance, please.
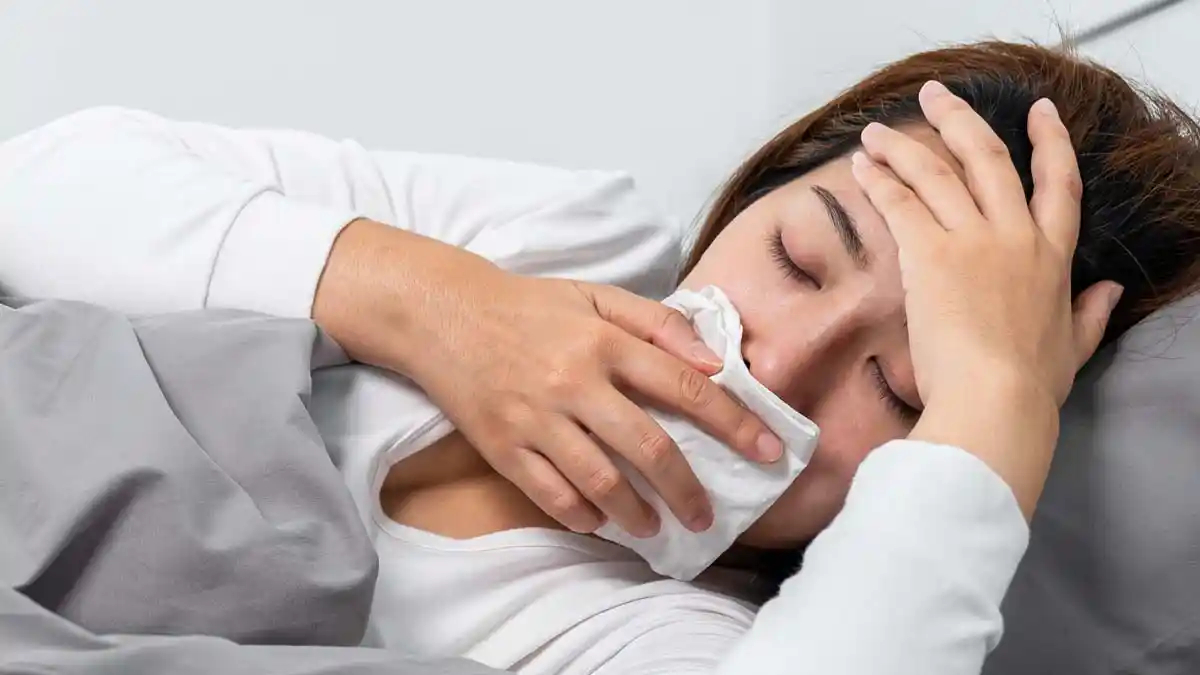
(813, 271)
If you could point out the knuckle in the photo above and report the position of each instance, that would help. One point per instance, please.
(1073, 184)
(514, 416)
(993, 148)
(694, 387)
(564, 504)
(655, 448)
(897, 196)
(603, 483)
(504, 456)
(562, 381)
(940, 170)
(668, 320)
(602, 344)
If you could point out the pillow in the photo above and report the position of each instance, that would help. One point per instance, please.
(1111, 581)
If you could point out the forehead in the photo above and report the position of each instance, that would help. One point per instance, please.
(836, 177)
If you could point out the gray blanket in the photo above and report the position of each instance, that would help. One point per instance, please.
(167, 506)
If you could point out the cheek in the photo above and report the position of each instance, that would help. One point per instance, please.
(812, 502)
(739, 263)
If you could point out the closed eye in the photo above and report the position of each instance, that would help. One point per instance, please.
(897, 405)
(784, 261)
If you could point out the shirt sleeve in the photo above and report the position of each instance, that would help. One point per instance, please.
(129, 210)
(907, 579)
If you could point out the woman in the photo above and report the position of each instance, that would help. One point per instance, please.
(984, 291)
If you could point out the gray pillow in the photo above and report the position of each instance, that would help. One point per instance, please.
(1111, 582)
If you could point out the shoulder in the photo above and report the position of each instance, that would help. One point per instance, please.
(594, 226)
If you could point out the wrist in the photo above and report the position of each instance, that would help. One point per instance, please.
(999, 391)
(1008, 421)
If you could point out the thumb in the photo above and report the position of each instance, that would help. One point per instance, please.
(655, 323)
(1090, 317)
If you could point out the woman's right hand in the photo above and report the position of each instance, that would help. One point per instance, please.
(538, 373)
(995, 340)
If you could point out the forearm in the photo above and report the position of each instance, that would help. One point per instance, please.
(375, 294)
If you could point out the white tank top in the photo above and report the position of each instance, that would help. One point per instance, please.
(534, 601)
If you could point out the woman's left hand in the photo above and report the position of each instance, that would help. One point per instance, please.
(994, 337)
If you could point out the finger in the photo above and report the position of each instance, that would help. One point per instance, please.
(655, 323)
(674, 386)
(595, 476)
(632, 433)
(934, 181)
(909, 220)
(1092, 310)
(535, 476)
(991, 176)
(1057, 186)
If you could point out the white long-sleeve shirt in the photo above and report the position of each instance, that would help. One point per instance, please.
(139, 213)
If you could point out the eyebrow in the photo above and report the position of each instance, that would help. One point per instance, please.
(846, 228)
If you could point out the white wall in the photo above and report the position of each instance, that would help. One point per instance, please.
(821, 51)
(676, 91)
(1162, 51)
(665, 88)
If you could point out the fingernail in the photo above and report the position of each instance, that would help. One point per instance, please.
(653, 525)
(706, 356)
(769, 448)
(1114, 296)
(701, 520)
(1046, 107)
(872, 129)
(860, 163)
(702, 353)
(935, 88)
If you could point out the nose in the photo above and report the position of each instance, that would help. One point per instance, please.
(799, 355)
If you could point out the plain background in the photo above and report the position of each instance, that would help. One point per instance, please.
(674, 91)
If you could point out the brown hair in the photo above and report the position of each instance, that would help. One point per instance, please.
(1139, 157)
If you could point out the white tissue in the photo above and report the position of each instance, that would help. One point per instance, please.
(740, 490)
